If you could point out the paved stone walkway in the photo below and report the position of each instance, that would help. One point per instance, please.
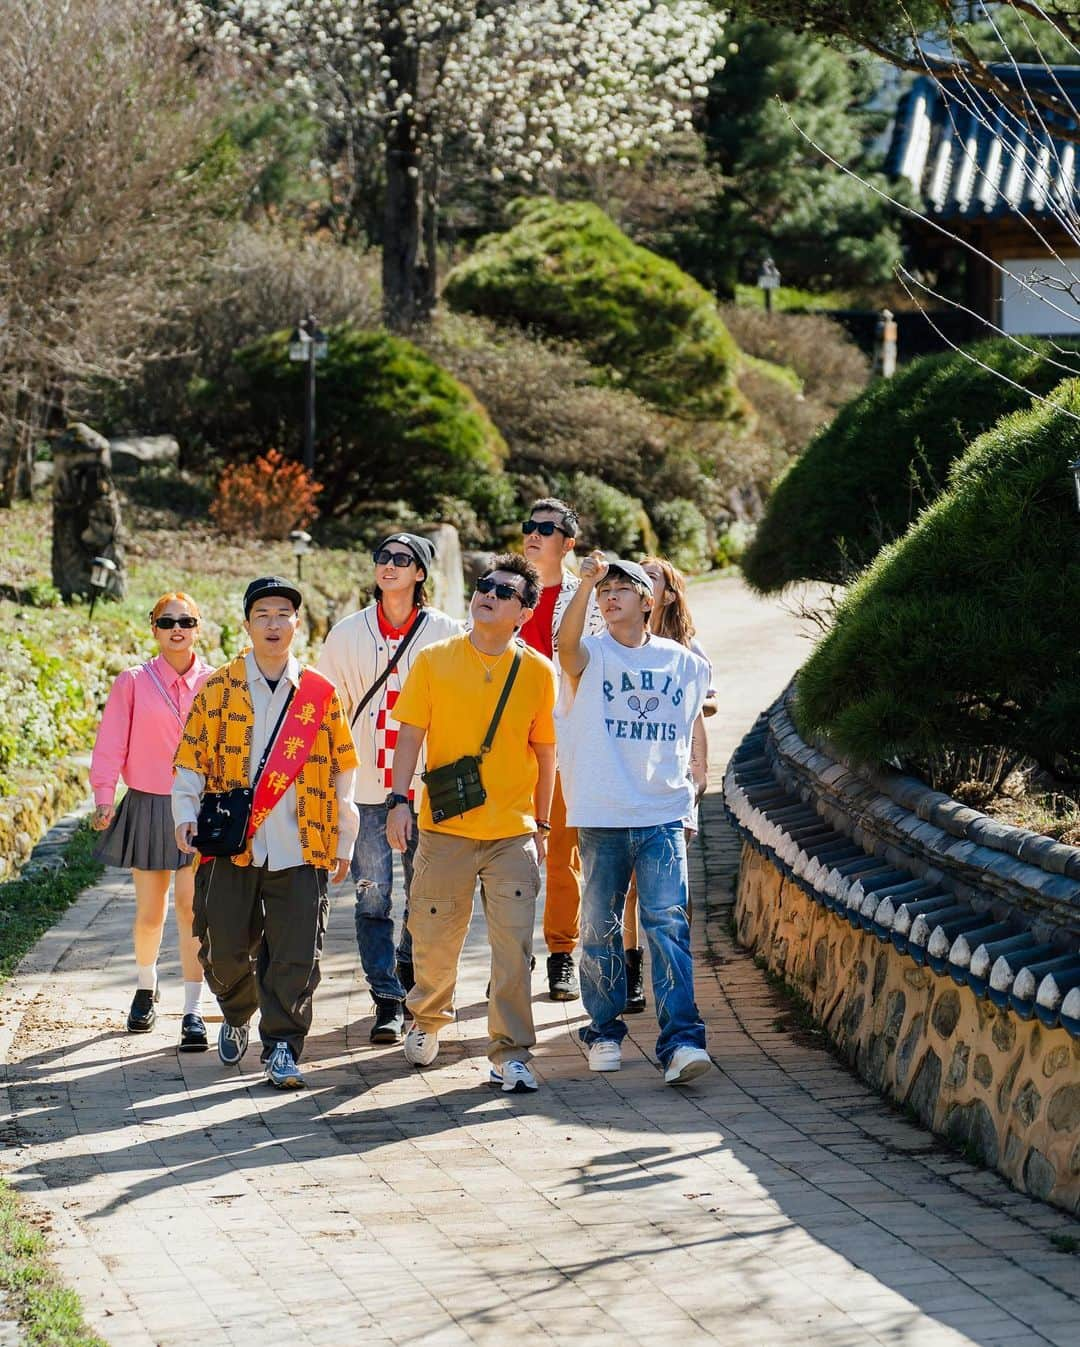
(776, 1202)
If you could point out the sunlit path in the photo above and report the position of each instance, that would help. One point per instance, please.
(777, 1201)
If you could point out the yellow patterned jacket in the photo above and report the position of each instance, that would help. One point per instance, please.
(217, 745)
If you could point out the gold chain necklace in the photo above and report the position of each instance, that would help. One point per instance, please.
(489, 669)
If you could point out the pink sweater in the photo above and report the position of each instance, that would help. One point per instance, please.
(140, 730)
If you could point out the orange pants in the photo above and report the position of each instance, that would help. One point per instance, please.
(562, 907)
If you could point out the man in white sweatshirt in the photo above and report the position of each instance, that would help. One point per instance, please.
(388, 634)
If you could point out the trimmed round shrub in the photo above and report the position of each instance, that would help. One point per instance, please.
(609, 517)
(391, 424)
(683, 534)
(962, 635)
(570, 271)
(865, 477)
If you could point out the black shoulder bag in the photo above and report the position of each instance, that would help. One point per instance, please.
(418, 622)
(456, 788)
(222, 825)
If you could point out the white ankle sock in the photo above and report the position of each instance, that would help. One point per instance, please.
(192, 996)
(146, 977)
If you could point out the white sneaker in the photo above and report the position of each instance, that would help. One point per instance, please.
(605, 1055)
(686, 1064)
(513, 1077)
(421, 1048)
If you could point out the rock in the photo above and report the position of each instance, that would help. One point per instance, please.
(86, 513)
(918, 978)
(1027, 1103)
(1063, 1113)
(1004, 1031)
(906, 1052)
(861, 973)
(1040, 1176)
(958, 1067)
(447, 574)
(1035, 1041)
(1012, 1152)
(971, 1126)
(923, 1095)
(881, 970)
(473, 565)
(821, 961)
(946, 1013)
(1074, 1160)
(131, 452)
(982, 1070)
(852, 1017)
(1054, 1060)
(1005, 1088)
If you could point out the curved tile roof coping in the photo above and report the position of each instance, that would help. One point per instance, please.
(985, 858)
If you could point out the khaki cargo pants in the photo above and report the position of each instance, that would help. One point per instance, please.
(440, 908)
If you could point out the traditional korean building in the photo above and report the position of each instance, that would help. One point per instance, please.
(1004, 183)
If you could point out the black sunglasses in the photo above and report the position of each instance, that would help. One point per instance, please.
(388, 558)
(167, 623)
(501, 591)
(542, 526)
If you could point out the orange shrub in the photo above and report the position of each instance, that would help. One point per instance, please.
(265, 498)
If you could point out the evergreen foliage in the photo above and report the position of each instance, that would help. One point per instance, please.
(391, 423)
(865, 477)
(962, 633)
(776, 195)
(569, 270)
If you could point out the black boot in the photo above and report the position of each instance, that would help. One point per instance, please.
(635, 984)
(142, 1014)
(389, 1026)
(562, 978)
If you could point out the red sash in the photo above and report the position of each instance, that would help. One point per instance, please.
(293, 744)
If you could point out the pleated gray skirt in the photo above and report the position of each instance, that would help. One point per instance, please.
(141, 836)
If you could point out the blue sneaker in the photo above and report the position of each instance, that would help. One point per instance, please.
(281, 1069)
(232, 1041)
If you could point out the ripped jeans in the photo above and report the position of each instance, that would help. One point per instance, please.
(657, 855)
(373, 873)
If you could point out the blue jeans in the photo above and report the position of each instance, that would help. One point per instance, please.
(609, 856)
(373, 872)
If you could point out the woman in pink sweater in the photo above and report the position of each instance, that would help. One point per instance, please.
(139, 732)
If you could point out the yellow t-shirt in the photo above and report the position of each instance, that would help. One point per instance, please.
(447, 695)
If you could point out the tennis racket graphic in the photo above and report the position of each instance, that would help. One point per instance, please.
(634, 704)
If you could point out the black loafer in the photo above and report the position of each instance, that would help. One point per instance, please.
(142, 1014)
(193, 1034)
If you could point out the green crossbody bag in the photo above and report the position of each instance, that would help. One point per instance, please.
(458, 787)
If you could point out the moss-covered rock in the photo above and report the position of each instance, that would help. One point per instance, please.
(865, 477)
(569, 270)
(962, 633)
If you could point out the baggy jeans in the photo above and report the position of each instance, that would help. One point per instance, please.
(260, 940)
(372, 870)
(657, 855)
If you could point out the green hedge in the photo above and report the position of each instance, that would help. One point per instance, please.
(569, 270)
(866, 476)
(963, 633)
(391, 424)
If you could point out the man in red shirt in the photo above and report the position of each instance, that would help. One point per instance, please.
(549, 536)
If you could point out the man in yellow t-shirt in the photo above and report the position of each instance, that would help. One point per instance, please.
(449, 699)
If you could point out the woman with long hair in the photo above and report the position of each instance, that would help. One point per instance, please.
(140, 729)
(670, 618)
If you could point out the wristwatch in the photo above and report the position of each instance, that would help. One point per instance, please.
(394, 798)
(543, 825)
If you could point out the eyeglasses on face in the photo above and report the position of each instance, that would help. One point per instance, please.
(167, 623)
(500, 590)
(545, 528)
(400, 559)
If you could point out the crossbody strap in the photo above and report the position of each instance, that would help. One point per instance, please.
(148, 666)
(503, 698)
(417, 623)
(273, 736)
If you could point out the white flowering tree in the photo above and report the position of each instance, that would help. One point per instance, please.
(519, 89)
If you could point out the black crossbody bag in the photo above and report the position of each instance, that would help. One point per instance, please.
(456, 788)
(221, 828)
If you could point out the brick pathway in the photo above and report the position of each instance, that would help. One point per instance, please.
(775, 1202)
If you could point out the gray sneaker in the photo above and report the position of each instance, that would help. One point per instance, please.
(281, 1069)
(232, 1041)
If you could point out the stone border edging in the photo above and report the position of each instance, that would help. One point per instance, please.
(901, 818)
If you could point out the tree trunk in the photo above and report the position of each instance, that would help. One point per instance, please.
(408, 271)
(86, 514)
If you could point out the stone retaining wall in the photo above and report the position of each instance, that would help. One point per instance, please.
(28, 814)
(830, 856)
